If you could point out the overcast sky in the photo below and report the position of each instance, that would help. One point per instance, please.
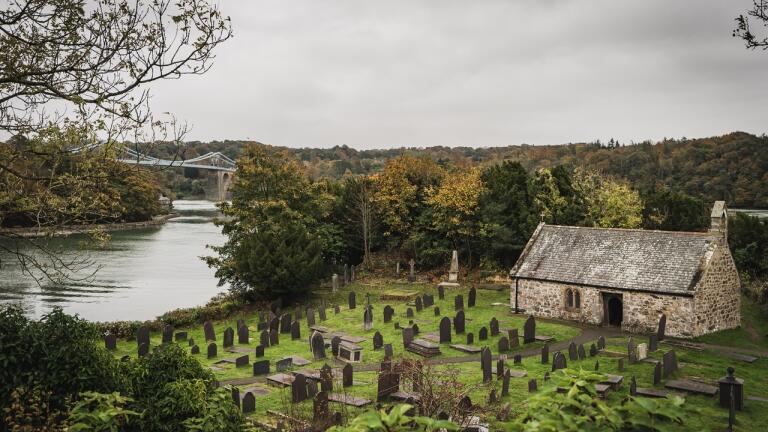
(477, 73)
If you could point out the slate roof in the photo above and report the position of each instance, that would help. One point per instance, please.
(636, 260)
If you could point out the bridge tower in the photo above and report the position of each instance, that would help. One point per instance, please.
(218, 185)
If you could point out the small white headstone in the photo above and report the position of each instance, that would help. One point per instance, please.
(453, 273)
(642, 351)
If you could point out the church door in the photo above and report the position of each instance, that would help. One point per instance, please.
(613, 309)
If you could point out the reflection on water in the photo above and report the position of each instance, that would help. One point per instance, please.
(141, 273)
(762, 214)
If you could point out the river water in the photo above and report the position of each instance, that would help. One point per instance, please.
(141, 273)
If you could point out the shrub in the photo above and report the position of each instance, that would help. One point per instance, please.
(100, 412)
(395, 421)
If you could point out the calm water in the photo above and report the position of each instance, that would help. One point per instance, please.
(762, 214)
(142, 274)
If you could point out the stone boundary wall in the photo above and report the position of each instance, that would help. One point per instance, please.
(718, 295)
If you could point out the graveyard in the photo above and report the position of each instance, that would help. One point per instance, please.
(372, 334)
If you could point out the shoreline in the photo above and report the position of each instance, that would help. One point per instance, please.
(68, 230)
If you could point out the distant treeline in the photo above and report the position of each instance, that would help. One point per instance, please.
(732, 167)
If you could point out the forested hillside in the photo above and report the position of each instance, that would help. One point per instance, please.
(732, 167)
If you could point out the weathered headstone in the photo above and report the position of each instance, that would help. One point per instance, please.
(470, 338)
(320, 411)
(641, 351)
(445, 330)
(326, 378)
(274, 337)
(310, 317)
(388, 353)
(143, 350)
(388, 312)
(334, 282)
(229, 337)
(482, 334)
(517, 359)
(573, 354)
(194, 350)
(284, 364)
(472, 297)
(260, 351)
(505, 384)
(601, 343)
(297, 313)
(318, 346)
(558, 361)
(346, 376)
(236, 396)
(295, 330)
(514, 339)
(335, 342)
(492, 399)
(458, 322)
(409, 313)
(311, 388)
(441, 292)
(458, 303)
(633, 387)
(299, 388)
(274, 324)
(429, 300)
(321, 313)
(167, 334)
(592, 350)
(657, 373)
(621, 364)
(437, 311)
(499, 369)
(503, 344)
(670, 363)
(249, 403)
(412, 271)
(631, 350)
(653, 341)
(212, 350)
(242, 361)
(529, 330)
(419, 304)
(415, 328)
(532, 387)
(243, 335)
(545, 354)
(210, 334)
(264, 338)
(285, 323)
(453, 272)
(407, 336)
(582, 353)
(368, 318)
(180, 336)
(110, 342)
(494, 326)
(485, 364)
(352, 300)
(378, 341)
(662, 327)
(142, 336)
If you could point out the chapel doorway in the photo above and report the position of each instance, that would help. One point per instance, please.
(613, 309)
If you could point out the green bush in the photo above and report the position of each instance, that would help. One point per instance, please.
(396, 420)
(100, 412)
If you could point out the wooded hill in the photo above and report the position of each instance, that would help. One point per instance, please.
(732, 167)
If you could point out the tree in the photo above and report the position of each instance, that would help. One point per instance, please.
(609, 203)
(758, 12)
(555, 197)
(361, 212)
(674, 211)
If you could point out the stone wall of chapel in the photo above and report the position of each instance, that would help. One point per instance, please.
(718, 295)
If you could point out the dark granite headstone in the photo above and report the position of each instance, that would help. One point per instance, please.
(143, 350)
(194, 350)
(559, 361)
(545, 354)
(326, 378)
(378, 341)
(419, 304)
(518, 359)
(592, 350)
(669, 362)
(110, 342)
(274, 337)
(657, 373)
(180, 336)
(311, 388)
(633, 387)
(482, 334)
(264, 338)
(662, 328)
(532, 387)
(485, 364)
(318, 346)
(458, 303)
(320, 413)
(321, 313)
(415, 328)
(388, 350)
(441, 292)
(335, 341)
(260, 351)
(529, 330)
(653, 342)
(242, 361)
(407, 336)
(458, 322)
(212, 350)
(249, 403)
(297, 313)
(274, 324)
(601, 343)
(429, 300)
(352, 300)
(346, 376)
(167, 334)
(472, 297)
(505, 384)
(243, 335)
(573, 354)
(388, 312)
(295, 330)
(285, 323)
(142, 336)
(503, 344)
(236, 396)
(299, 388)
(229, 337)
(310, 317)
(445, 330)
(210, 334)
(470, 338)
(262, 326)
(621, 365)
(388, 383)
(514, 339)
(582, 353)
(437, 311)
(499, 369)
(492, 399)
(284, 364)
(731, 390)
(409, 313)
(494, 327)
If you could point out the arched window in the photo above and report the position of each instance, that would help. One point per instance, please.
(569, 298)
(577, 301)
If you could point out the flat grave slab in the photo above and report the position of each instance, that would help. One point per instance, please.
(399, 294)
(650, 360)
(542, 338)
(348, 400)
(613, 380)
(610, 353)
(602, 389)
(651, 392)
(692, 387)
(352, 339)
(757, 398)
(256, 390)
(280, 379)
(238, 349)
(424, 348)
(516, 373)
(299, 361)
(736, 356)
(466, 348)
(402, 395)
(225, 361)
(319, 328)
(432, 337)
(216, 368)
(492, 287)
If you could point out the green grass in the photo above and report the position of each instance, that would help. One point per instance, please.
(701, 413)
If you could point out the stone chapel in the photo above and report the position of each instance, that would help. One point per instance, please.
(629, 277)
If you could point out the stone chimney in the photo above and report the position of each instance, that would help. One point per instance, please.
(719, 221)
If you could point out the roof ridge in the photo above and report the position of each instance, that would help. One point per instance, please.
(682, 233)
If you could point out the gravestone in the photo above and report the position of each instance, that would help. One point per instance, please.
(243, 335)
(532, 386)
(559, 362)
(378, 341)
(335, 342)
(445, 330)
(582, 353)
(321, 313)
(352, 300)
(346, 376)
(419, 304)
(633, 387)
(470, 338)
(669, 362)
(368, 318)
(641, 351)
(545, 354)
(194, 350)
(285, 323)
(297, 313)
(441, 292)
(388, 312)
(264, 338)
(492, 397)
(210, 334)
(662, 328)
(458, 303)
(499, 369)
(284, 364)
(274, 337)
(472, 297)
(326, 378)
(514, 339)
(212, 350)
(143, 350)
(295, 330)
(415, 328)
(299, 388)
(334, 282)
(229, 337)
(730, 386)
(236, 396)
(494, 326)
(388, 351)
(409, 313)
(320, 412)
(412, 272)
(242, 361)
(167, 334)
(388, 383)
(453, 272)
(407, 336)
(529, 330)
(180, 336)
(318, 346)
(653, 341)
(592, 350)
(573, 354)
(142, 336)
(429, 300)
(310, 317)
(260, 351)
(631, 351)
(657, 373)
(458, 322)
(621, 365)
(437, 311)
(336, 309)
(518, 359)
(503, 344)
(505, 384)
(274, 324)
(249, 403)
(110, 342)
(311, 388)
(485, 364)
